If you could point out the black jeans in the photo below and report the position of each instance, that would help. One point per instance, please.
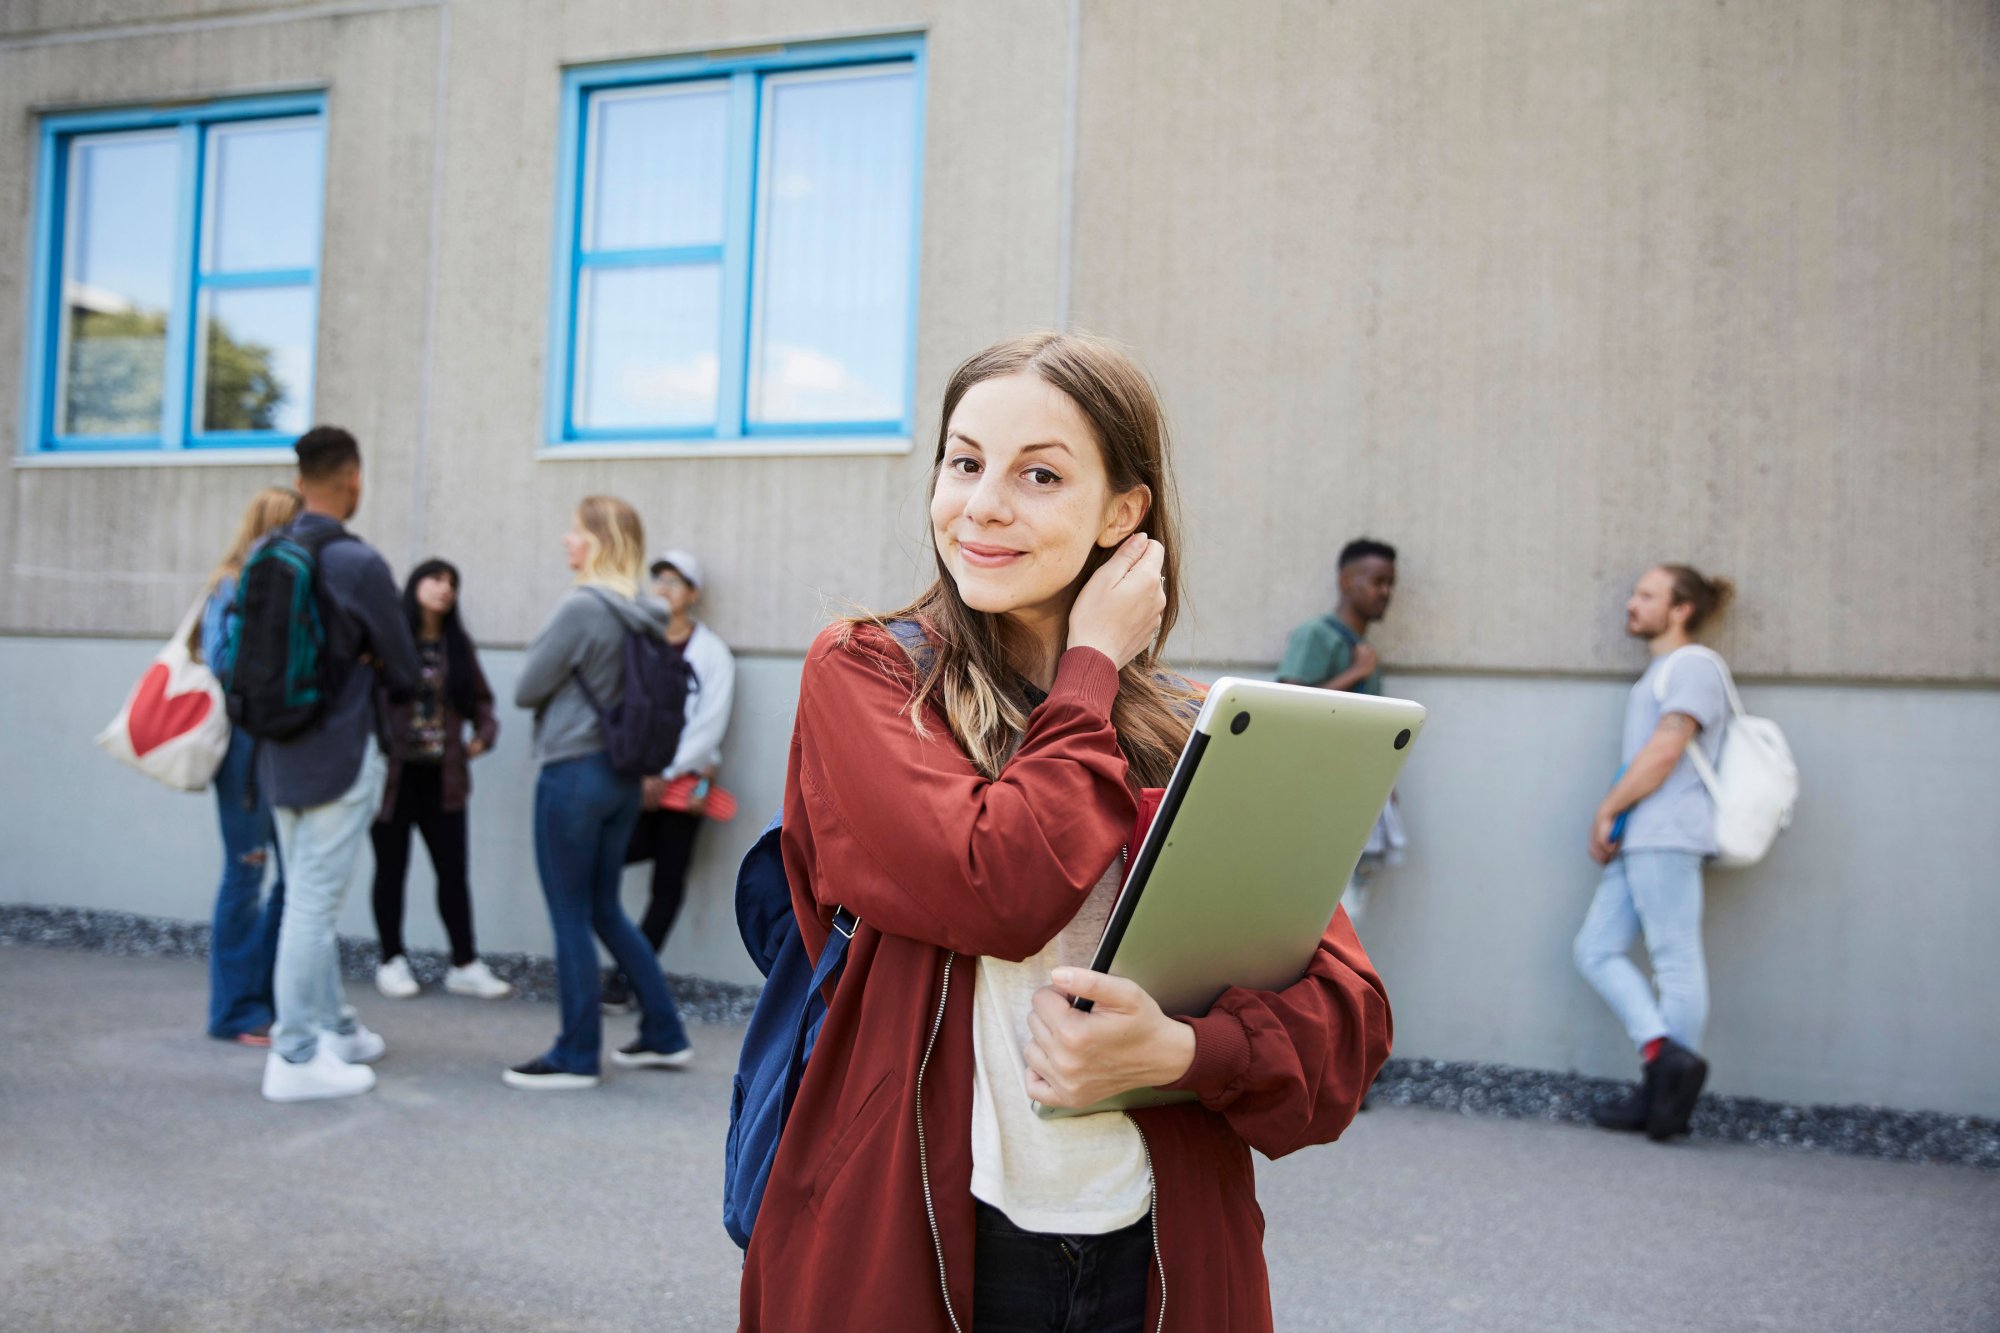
(666, 838)
(420, 802)
(1030, 1282)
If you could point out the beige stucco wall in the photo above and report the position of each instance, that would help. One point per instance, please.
(1546, 292)
(1541, 292)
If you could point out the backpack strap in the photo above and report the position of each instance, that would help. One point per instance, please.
(1703, 769)
(914, 640)
(1708, 654)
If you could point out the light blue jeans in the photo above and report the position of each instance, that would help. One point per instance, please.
(1658, 893)
(319, 844)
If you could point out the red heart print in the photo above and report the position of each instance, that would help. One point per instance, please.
(157, 717)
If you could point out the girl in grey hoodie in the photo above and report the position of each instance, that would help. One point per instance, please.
(584, 810)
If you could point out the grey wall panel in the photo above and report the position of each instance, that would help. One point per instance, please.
(1853, 966)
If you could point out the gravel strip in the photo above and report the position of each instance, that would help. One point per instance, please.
(129, 935)
(1535, 1094)
(1439, 1085)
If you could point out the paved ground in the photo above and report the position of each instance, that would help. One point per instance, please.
(145, 1185)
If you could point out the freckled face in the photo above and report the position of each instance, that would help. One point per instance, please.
(1021, 497)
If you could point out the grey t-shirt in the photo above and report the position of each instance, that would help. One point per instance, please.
(1680, 815)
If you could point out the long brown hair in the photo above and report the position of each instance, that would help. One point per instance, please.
(971, 675)
(617, 544)
(1708, 596)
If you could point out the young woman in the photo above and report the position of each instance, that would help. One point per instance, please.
(243, 941)
(968, 804)
(666, 837)
(584, 809)
(430, 776)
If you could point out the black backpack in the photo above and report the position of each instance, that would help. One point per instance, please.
(281, 674)
(643, 729)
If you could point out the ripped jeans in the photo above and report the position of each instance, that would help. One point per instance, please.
(243, 939)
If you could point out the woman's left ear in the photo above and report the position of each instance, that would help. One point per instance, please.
(1127, 511)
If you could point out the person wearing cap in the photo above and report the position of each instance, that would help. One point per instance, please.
(666, 837)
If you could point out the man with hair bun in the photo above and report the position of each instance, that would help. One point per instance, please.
(1650, 833)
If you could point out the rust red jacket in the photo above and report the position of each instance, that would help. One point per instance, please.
(867, 1221)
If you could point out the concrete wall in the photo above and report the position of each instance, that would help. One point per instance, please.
(1852, 966)
(1548, 292)
(1542, 292)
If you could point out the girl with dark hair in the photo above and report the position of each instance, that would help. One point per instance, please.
(968, 802)
(430, 777)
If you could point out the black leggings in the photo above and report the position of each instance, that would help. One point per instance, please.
(666, 838)
(420, 802)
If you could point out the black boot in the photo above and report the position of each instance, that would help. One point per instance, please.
(1629, 1113)
(1679, 1074)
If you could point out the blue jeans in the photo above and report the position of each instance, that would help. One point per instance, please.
(1658, 893)
(584, 814)
(243, 940)
(319, 844)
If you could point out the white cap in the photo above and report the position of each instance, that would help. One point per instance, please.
(683, 561)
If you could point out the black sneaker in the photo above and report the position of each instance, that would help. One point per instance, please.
(542, 1076)
(615, 995)
(636, 1056)
(1679, 1074)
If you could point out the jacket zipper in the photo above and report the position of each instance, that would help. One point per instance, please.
(923, 1146)
(930, 1201)
(1153, 1217)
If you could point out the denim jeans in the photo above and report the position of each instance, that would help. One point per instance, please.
(1027, 1282)
(1658, 893)
(584, 814)
(319, 844)
(243, 940)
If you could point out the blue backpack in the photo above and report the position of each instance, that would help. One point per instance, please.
(785, 1025)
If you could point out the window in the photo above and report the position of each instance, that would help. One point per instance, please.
(177, 276)
(736, 255)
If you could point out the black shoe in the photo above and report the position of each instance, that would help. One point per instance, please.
(539, 1074)
(615, 995)
(1678, 1073)
(1628, 1113)
(635, 1056)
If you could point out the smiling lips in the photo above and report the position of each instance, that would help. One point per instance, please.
(988, 557)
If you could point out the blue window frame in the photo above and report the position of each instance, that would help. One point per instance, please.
(736, 246)
(176, 279)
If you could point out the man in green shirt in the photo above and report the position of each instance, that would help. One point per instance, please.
(1332, 653)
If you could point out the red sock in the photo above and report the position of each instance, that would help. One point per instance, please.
(1651, 1049)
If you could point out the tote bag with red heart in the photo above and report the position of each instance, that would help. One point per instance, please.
(174, 727)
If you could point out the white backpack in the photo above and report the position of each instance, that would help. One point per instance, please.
(1754, 782)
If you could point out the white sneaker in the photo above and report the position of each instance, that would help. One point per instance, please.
(325, 1075)
(395, 980)
(477, 980)
(359, 1047)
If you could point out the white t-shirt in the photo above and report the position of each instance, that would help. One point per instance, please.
(1081, 1175)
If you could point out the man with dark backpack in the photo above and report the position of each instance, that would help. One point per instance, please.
(318, 616)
